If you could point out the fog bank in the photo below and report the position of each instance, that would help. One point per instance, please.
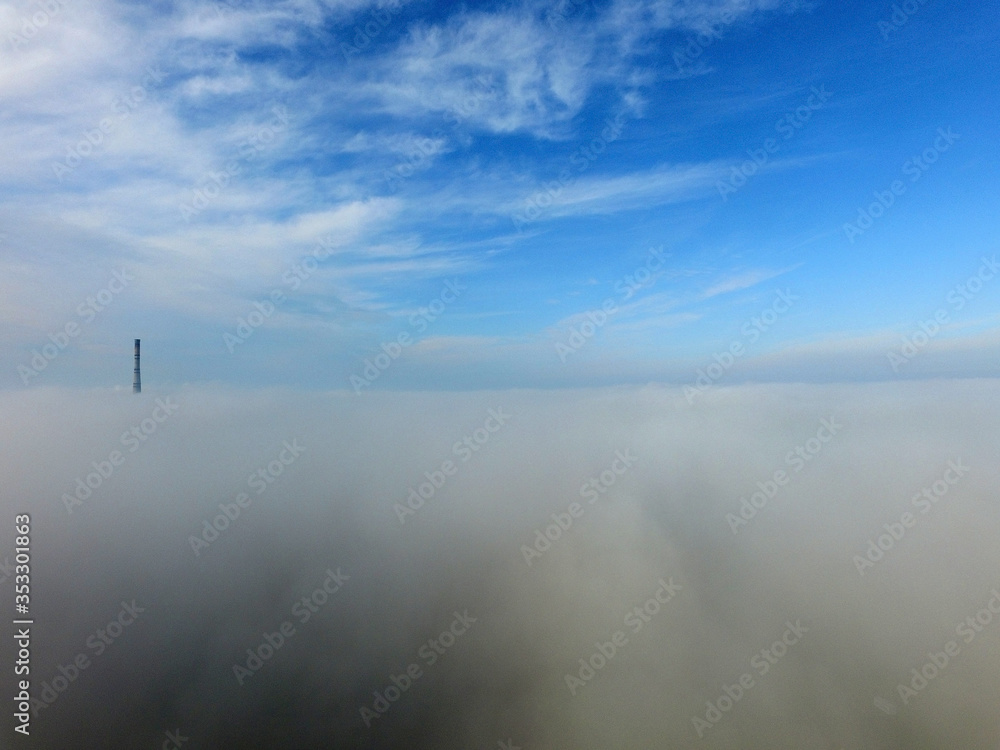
(437, 570)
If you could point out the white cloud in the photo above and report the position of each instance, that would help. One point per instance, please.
(743, 281)
(665, 517)
(504, 72)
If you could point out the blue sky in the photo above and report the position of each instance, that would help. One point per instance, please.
(532, 155)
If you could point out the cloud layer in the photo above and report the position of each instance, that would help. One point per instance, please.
(736, 526)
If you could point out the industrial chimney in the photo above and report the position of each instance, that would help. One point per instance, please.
(136, 383)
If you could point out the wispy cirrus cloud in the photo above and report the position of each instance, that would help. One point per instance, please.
(744, 280)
